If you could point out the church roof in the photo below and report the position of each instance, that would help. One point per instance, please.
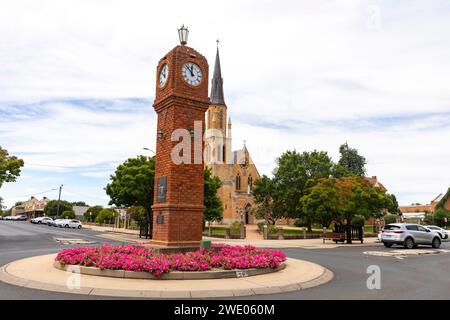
(217, 97)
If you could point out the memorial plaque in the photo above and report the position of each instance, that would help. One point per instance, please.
(161, 189)
(160, 218)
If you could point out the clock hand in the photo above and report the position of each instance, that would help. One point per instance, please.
(191, 69)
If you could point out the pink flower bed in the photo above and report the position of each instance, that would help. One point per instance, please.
(137, 258)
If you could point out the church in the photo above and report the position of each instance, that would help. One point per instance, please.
(235, 169)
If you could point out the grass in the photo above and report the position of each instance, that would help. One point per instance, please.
(215, 230)
(299, 232)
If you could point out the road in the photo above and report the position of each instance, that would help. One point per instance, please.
(415, 277)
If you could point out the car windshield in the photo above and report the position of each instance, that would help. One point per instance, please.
(433, 228)
(391, 227)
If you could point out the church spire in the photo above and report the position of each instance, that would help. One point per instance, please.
(217, 82)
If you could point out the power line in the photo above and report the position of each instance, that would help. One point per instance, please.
(32, 194)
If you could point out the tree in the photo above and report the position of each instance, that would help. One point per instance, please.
(92, 213)
(343, 199)
(68, 214)
(294, 174)
(321, 204)
(390, 218)
(132, 185)
(263, 195)
(439, 217)
(9, 167)
(136, 213)
(392, 204)
(51, 208)
(80, 204)
(107, 214)
(350, 160)
(213, 204)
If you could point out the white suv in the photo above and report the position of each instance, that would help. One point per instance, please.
(409, 235)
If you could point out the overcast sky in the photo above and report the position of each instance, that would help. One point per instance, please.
(77, 82)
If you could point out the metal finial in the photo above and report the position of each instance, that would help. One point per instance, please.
(217, 42)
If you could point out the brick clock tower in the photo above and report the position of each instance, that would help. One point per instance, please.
(181, 99)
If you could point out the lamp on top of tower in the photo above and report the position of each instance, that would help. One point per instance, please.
(183, 34)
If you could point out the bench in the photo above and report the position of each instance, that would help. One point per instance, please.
(335, 236)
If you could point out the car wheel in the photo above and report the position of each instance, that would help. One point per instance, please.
(66, 226)
(409, 243)
(436, 243)
(39, 222)
(387, 245)
(79, 227)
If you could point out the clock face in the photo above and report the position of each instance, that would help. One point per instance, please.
(163, 75)
(192, 74)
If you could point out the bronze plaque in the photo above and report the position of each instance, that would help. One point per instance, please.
(160, 218)
(161, 189)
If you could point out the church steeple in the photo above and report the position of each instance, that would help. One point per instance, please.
(217, 82)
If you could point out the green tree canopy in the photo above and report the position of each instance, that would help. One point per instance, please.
(80, 204)
(350, 161)
(68, 214)
(213, 204)
(136, 213)
(106, 215)
(294, 174)
(263, 194)
(9, 167)
(132, 184)
(92, 213)
(439, 217)
(51, 207)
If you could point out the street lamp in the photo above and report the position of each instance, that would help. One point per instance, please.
(183, 34)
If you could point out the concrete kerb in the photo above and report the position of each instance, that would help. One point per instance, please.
(298, 275)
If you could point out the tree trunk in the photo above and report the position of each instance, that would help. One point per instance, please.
(149, 218)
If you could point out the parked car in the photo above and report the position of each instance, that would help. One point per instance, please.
(53, 223)
(409, 235)
(19, 218)
(444, 234)
(41, 220)
(7, 218)
(70, 223)
(59, 222)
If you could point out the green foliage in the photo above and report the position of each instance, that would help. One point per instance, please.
(9, 167)
(444, 200)
(295, 173)
(342, 199)
(390, 218)
(351, 160)
(92, 213)
(80, 204)
(106, 215)
(428, 218)
(235, 227)
(213, 204)
(439, 217)
(136, 213)
(358, 220)
(18, 203)
(133, 184)
(51, 208)
(263, 192)
(391, 204)
(68, 214)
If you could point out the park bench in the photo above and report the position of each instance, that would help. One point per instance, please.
(334, 236)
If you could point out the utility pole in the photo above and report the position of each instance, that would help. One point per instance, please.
(59, 199)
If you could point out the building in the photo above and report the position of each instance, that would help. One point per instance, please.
(31, 208)
(441, 201)
(235, 169)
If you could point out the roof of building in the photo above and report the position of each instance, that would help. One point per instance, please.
(438, 198)
(374, 181)
(217, 97)
(416, 208)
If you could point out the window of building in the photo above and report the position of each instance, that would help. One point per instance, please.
(238, 182)
(250, 183)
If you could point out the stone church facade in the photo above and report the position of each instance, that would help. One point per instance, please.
(235, 169)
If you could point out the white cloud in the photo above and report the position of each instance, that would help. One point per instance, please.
(304, 74)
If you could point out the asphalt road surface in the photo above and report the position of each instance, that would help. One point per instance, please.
(415, 277)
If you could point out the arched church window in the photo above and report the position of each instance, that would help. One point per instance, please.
(238, 182)
(250, 183)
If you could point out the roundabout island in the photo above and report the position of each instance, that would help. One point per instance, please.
(134, 271)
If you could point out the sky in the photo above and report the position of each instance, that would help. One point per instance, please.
(77, 84)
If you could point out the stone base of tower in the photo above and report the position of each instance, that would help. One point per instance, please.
(177, 226)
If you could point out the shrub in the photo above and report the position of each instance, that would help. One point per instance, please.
(439, 217)
(235, 227)
(300, 222)
(68, 214)
(358, 220)
(92, 213)
(390, 218)
(106, 215)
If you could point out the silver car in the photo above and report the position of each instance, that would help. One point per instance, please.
(409, 235)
